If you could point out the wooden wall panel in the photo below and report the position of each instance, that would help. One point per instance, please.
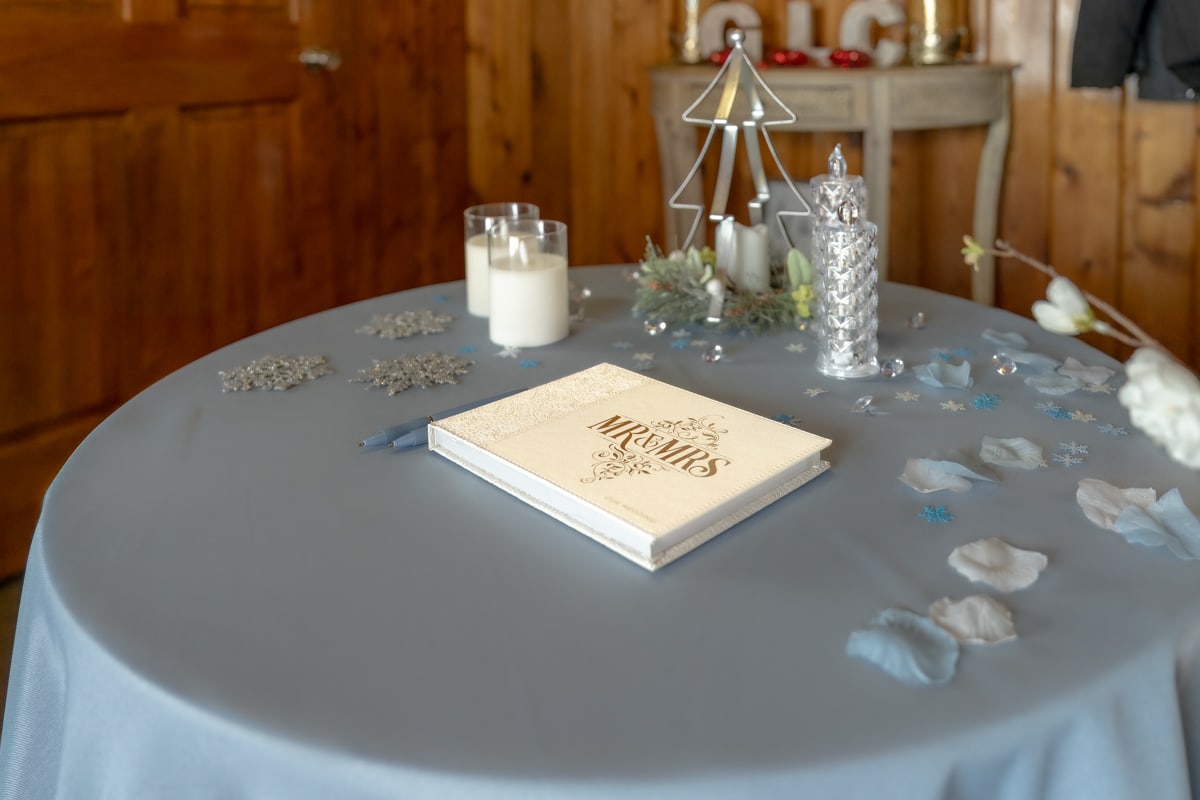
(1095, 180)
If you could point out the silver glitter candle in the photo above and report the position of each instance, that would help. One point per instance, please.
(845, 282)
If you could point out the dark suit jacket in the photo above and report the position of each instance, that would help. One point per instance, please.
(1157, 39)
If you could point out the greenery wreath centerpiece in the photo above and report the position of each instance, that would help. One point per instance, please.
(686, 287)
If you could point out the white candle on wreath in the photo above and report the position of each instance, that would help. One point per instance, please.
(753, 261)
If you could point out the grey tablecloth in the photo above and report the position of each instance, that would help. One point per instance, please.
(226, 597)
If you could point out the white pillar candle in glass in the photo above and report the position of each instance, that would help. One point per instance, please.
(476, 222)
(528, 270)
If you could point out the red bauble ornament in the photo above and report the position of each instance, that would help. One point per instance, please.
(847, 59)
(719, 57)
(787, 58)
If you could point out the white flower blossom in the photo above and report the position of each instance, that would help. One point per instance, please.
(1065, 309)
(1163, 398)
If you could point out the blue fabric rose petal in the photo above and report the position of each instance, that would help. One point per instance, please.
(911, 648)
(1168, 523)
(943, 375)
(1006, 339)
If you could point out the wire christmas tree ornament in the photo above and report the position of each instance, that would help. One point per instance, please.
(742, 105)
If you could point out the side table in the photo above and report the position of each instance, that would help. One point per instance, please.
(877, 102)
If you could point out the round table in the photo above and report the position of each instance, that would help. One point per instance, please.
(226, 596)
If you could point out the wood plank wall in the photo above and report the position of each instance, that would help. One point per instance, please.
(1098, 182)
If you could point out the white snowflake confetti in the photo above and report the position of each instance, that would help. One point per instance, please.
(1066, 459)
(509, 352)
(907, 397)
(1074, 448)
(797, 347)
(405, 324)
(815, 391)
(1113, 430)
(680, 333)
(425, 370)
(643, 357)
(1100, 388)
(953, 405)
(1082, 416)
(699, 342)
(623, 345)
(276, 373)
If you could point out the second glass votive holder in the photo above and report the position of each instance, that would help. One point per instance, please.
(527, 265)
(477, 220)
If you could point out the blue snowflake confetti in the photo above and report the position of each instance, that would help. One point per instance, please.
(529, 362)
(1053, 410)
(1074, 448)
(467, 349)
(963, 352)
(943, 355)
(786, 419)
(986, 402)
(622, 345)
(680, 344)
(1113, 430)
(936, 514)
(441, 298)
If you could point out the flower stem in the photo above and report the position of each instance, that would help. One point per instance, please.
(1136, 337)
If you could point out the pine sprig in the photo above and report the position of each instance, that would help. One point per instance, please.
(673, 289)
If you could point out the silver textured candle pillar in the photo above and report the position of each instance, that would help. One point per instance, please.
(846, 284)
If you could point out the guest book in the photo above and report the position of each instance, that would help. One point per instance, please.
(648, 469)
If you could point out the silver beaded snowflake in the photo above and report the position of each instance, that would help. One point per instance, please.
(405, 324)
(274, 372)
(425, 370)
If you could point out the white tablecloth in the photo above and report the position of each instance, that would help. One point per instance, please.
(226, 597)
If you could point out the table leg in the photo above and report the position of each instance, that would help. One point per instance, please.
(987, 199)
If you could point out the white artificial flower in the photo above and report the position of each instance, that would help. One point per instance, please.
(1163, 398)
(1065, 309)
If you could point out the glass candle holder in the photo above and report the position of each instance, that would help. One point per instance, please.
(846, 282)
(476, 222)
(527, 266)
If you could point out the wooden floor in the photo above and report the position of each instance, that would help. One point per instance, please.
(10, 596)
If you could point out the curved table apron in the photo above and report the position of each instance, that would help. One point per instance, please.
(227, 597)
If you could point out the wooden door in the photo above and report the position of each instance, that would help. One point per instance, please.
(168, 176)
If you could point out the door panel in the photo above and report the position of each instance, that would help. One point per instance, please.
(166, 172)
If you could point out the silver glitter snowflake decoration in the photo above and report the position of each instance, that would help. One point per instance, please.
(406, 324)
(425, 370)
(274, 372)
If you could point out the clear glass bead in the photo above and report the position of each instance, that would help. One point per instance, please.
(714, 354)
(654, 327)
(863, 404)
(917, 320)
(1004, 364)
(892, 367)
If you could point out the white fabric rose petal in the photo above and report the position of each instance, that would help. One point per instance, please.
(978, 619)
(1089, 376)
(929, 475)
(1018, 452)
(944, 375)
(1163, 398)
(1056, 385)
(997, 563)
(1102, 502)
